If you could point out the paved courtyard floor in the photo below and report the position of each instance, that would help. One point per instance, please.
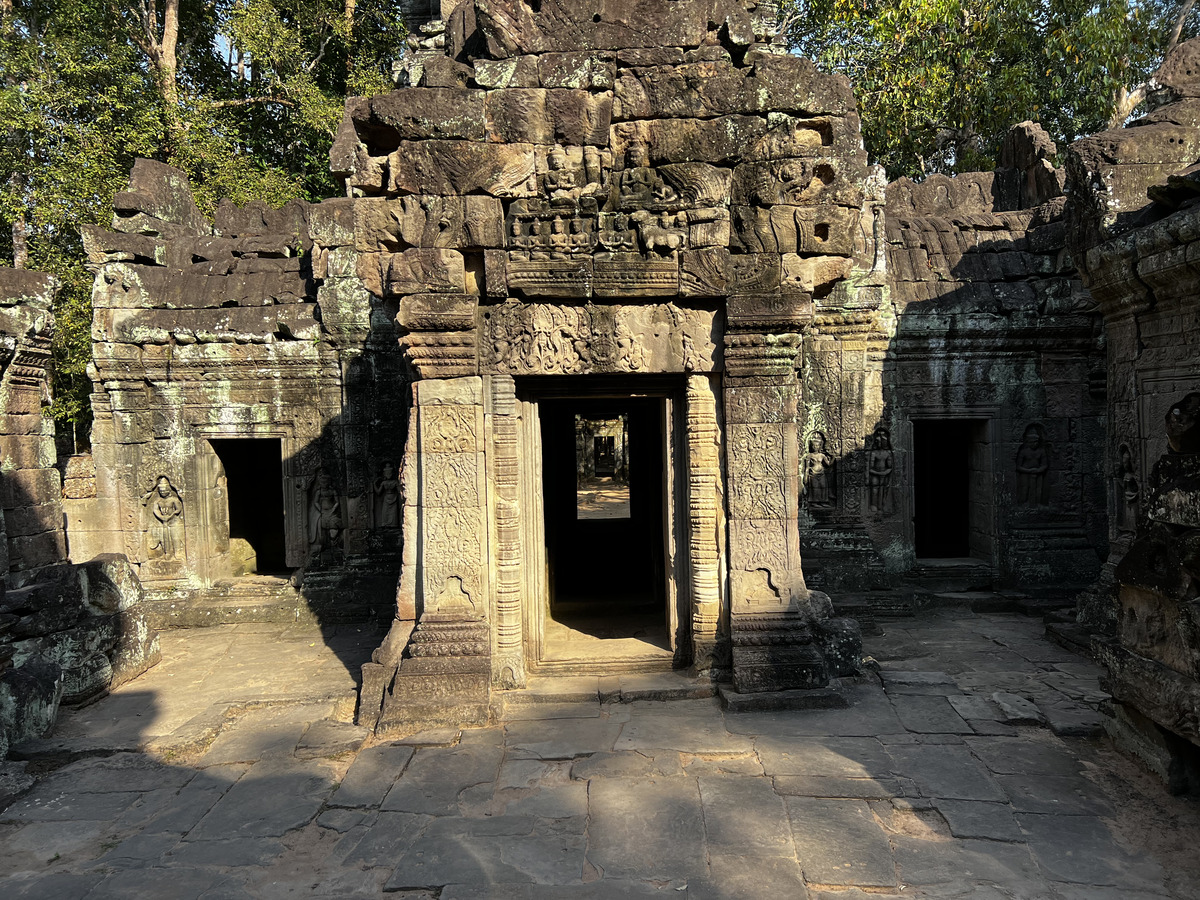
(231, 770)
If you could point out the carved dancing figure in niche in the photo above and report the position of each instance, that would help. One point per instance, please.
(325, 523)
(1032, 465)
(879, 471)
(387, 498)
(166, 511)
(817, 474)
(1131, 491)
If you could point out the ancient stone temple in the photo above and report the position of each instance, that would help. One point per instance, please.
(1134, 225)
(67, 632)
(615, 334)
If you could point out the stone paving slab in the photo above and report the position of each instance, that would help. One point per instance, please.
(646, 829)
(840, 844)
(912, 791)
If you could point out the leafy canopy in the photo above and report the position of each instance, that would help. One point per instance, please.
(243, 95)
(940, 82)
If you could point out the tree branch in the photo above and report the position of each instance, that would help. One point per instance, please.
(249, 101)
(1177, 31)
(320, 53)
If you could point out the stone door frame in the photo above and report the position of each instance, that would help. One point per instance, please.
(992, 422)
(211, 505)
(686, 535)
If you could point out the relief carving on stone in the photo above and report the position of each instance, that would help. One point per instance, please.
(1032, 463)
(758, 475)
(448, 428)
(817, 481)
(757, 544)
(451, 548)
(166, 520)
(881, 465)
(385, 493)
(326, 521)
(1129, 491)
(540, 339)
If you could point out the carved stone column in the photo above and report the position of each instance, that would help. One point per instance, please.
(445, 674)
(704, 525)
(772, 612)
(508, 666)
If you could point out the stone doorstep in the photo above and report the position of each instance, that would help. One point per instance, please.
(626, 688)
(811, 698)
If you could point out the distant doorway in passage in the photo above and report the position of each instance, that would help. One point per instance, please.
(603, 502)
(952, 489)
(254, 488)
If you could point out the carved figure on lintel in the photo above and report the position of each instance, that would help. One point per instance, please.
(386, 490)
(581, 238)
(628, 348)
(166, 518)
(1032, 464)
(817, 474)
(1130, 491)
(659, 234)
(616, 234)
(325, 522)
(691, 358)
(879, 471)
(560, 181)
(519, 240)
(641, 186)
(560, 241)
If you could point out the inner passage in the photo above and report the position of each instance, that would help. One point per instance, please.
(942, 487)
(254, 487)
(603, 501)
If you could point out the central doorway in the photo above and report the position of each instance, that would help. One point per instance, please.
(952, 483)
(254, 484)
(607, 585)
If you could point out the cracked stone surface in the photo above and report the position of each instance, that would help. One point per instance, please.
(601, 798)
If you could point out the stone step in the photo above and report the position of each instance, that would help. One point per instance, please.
(624, 688)
(258, 599)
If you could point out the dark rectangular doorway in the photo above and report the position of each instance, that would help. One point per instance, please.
(951, 489)
(254, 487)
(603, 502)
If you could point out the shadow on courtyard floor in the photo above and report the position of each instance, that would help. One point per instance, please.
(904, 794)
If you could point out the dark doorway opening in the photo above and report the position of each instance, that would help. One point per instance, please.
(950, 479)
(603, 501)
(254, 487)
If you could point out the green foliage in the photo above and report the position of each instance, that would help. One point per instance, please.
(939, 82)
(258, 91)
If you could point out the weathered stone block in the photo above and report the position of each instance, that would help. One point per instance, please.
(463, 167)
(425, 112)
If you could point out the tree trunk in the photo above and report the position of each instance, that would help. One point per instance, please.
(20, 239)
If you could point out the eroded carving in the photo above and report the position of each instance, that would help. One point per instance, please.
(1032, 464)
(817, 478)
(166, 519)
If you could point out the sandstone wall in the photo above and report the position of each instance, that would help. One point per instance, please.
(251, 327)
(964, 305)
(66, 632)
(31, 519)
(1136, 224)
